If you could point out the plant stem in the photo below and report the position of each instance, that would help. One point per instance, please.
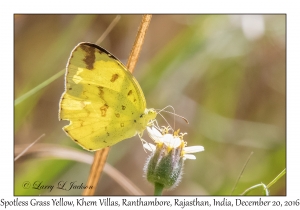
(276, 178)
(158, 188)
(266, 191)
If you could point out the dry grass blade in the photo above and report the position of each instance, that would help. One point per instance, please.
(25, 150)
(109, 28)
(101, 155)
(68, 153)
(241, 173)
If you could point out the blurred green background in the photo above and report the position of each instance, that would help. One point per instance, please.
(225, 73)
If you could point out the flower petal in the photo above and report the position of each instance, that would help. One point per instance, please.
(167, 139)
(193, 149)
(188, 156)
(176, 142)
(149, 147)
(154, 134)
(170, 141)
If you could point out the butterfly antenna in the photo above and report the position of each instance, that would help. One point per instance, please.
(163, 110)
(165, 120)
(166, 108)
(177, 115)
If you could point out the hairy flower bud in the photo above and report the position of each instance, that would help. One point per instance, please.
(165, 164)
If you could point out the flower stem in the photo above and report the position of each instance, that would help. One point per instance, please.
(158, 188)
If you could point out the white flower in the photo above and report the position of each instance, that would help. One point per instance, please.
(171, 141)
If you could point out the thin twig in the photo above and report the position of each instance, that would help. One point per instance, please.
(135, 52)
(101, 155)
(96, 170)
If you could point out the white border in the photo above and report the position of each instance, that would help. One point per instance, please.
(293, 91)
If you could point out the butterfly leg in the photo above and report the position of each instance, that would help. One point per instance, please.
(154, 123)
(143, 141)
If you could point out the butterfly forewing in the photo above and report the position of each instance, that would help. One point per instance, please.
(102, 100)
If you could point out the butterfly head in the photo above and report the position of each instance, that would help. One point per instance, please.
(150, 114)
(147, 117)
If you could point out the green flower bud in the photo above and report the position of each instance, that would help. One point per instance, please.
(165, 166)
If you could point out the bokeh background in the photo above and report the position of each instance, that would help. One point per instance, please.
(225, 73)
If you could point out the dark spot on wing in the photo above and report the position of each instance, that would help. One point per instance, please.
(107, 134)
(101, 92)
(123, 107)
(104, 141)
(117, 115)
(70, 88)
(129, 93)
(114, 77)
(89, 58)
(103, 110)
(122, 124)
(75, 140)
(134, 121)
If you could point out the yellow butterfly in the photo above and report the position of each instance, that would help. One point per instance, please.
(102, 100)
